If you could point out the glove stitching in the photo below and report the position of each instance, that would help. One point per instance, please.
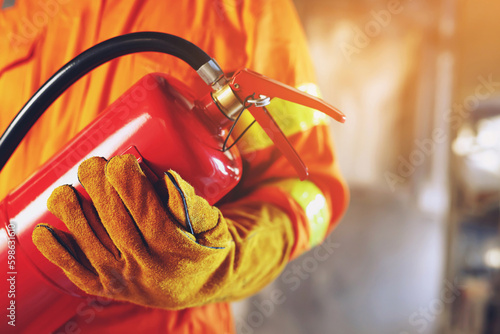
(186, 212)
(77, 194)
(184, 202)
(66, 247)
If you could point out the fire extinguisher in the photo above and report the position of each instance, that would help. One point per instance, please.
(164, 127)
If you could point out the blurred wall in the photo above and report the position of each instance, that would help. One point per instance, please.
(475, 191)
(477, 45)
(367, 59)
(377, 61)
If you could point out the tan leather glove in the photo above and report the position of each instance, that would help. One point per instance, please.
(163, 247)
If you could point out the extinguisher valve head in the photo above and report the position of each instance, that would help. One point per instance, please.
(253, 91)
(212, 74)
(228, 102)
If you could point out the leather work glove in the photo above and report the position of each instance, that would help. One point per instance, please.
(159, 246)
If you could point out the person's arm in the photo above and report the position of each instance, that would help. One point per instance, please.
(142, 251)
(277, 48)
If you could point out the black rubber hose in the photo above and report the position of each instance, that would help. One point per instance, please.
(84, 63)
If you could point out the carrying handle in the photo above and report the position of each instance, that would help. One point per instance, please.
(247, 85)
(246, 82)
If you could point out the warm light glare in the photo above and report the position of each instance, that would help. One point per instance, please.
(492, 258)
(315, 206)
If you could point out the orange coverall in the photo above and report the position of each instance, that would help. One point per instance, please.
(38, 37)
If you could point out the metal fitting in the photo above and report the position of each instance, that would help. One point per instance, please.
(212, 74)
(228, 102)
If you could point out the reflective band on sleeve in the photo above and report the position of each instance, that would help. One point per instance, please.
(291, 118)
(312, 201)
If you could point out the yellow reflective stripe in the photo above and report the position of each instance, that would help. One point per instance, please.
(292, 118)
(313, 202)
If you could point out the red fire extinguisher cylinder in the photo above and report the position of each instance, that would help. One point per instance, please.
(159, 122)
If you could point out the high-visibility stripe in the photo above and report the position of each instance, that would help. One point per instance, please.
(291, 118)
(313, 202)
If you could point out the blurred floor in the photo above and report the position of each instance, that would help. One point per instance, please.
(384, 276)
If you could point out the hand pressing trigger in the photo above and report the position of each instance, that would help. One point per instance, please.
(163, 247)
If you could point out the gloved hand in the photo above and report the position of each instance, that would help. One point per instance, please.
(163, 247)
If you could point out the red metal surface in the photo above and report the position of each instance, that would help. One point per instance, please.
(159, 120)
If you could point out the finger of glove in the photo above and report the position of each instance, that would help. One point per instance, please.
(188, 208)
(217, 237)
(61, 249)
(65, 204)
(113, 214)
(138, 195)
(96, 225)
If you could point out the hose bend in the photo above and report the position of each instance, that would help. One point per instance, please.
(89, 60)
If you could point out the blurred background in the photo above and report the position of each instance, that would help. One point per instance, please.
(419, 248)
